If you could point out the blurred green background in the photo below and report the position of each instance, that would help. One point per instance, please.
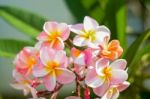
(128, 20)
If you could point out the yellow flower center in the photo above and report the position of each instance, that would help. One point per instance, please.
(54, 35)
(107, 72)
(51, 68)
(90, 35)
(31, 62)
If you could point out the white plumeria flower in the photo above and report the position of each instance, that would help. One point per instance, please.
(89, 33)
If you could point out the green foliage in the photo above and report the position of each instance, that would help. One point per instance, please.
(112, 13)
(9, 48)
(24, 21)
(133, 49)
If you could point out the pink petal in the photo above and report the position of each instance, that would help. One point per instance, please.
(60, 56)
(72, 97)
(112, 93)
(42, 36)
(118, 76)
(50, 27)
(78, 28)
(50, 81)
(101, 33)
(101, 90)
(93, 80)
(89, 23)
(57, 44)
(121, 87)
(80, 41)
(100, 65)
(80, 60)
(65, 32)
(119, 64)
(88, 56)
(64, 76)
(39, 71)
(46, 54)
(17, 86)
(18, 77)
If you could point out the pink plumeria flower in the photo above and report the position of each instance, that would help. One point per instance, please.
(104, 75)
(53, 67)
(26, 59)
(23, 83)
(89, 33)
(54, 34)
(114, 90)
(81, 59)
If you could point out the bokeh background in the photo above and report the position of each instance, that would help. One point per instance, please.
(129, 17)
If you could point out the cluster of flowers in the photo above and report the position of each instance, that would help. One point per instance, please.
(92, 62)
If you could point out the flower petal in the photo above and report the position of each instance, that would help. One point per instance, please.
(65, 32)
(118, 76)
(119, 64)
(114, 45)
(64, 76)
(17, 86)
(93, 80)
(57, 44)
(100, 65)
(50, 27)
(50, 81)
(60, 56)
(121, 87)
(42, 36)
(39, 71)
(18, 77)
(101, 33)
(112, 93)
(80, 60)
(80, 41)
(46, 54)
(78, 28)
(101, 90)
(89, 23)
(75, 52)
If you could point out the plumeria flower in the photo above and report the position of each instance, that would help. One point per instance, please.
(81, 59)
(53, 67)
(104, 75)
(26, 59)
(110, 50)
(54, 34)
(89, 33)
(113, 91)
(23, 83)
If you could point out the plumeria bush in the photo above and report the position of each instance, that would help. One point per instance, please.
(80, 53)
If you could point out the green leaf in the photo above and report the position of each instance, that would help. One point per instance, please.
(24, 21)
(115, 18)
(133, 49)
(9, 48)
(133, 65)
